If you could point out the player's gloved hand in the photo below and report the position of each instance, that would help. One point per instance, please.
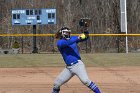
(82, 36)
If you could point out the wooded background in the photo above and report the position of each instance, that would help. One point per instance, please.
(104, 15)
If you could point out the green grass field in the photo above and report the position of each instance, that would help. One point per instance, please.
(43, 60)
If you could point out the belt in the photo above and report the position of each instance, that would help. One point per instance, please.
(72, 63)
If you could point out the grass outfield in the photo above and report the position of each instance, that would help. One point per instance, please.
(43, 60)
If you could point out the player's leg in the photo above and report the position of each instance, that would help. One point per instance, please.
(80, 71)
(62, 78)
(94, 87)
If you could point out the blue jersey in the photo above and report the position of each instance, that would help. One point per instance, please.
(69, 49)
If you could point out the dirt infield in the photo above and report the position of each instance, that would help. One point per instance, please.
(40, 80)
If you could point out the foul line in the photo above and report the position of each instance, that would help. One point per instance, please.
(71, 34)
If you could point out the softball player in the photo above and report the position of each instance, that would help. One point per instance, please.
(67, 45)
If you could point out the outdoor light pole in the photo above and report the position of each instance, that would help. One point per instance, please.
(123, 7)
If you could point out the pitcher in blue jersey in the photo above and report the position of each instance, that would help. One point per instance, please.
(67, 45)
